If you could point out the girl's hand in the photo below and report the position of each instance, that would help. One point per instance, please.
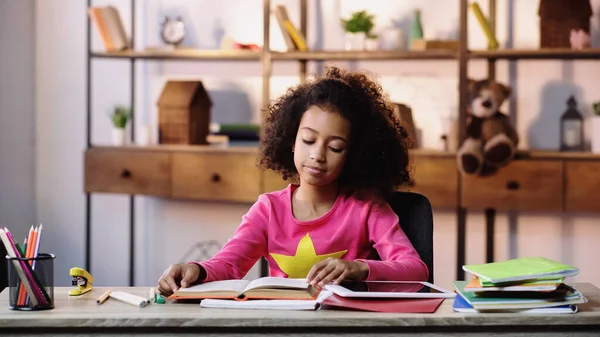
(336, 270)
(179, 275)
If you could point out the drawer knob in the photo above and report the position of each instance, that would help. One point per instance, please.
(512, 185)
(215, 177)
(125, 173)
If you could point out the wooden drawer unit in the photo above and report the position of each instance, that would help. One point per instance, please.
(222, 176)
(437, 179)
(582, 186)
(116, 170)
(272, 181)
(527, 185)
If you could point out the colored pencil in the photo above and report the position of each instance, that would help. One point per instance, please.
(22, 294)
(18, 265)
(103, 297)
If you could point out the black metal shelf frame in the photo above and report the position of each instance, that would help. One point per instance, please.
(88, 197)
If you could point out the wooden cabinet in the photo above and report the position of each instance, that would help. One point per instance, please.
(222, 176)
(232, 175)
(436, 178)
(114, 170)
(582, 183)
(523, 185)
(272, 181)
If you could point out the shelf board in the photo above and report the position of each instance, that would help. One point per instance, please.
(557, 155)
(351, 55)
(543, 53)
(182, 54)
(521, 154)
(172, 148)
(235, 149)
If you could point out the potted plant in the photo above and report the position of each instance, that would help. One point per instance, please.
(357, 28)
(596, 128)
(371, 42)
(119, 118)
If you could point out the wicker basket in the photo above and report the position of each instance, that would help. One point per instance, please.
(559, 17)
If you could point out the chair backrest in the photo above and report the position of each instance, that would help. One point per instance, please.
(416, 220)
(3, 268)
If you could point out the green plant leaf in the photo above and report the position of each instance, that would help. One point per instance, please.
(120, 116)
(360, 21)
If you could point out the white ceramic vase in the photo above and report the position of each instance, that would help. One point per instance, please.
(371, 44)
(390, 39)
(145, 137)
(118, 136)
(355, 41)
(596, 134)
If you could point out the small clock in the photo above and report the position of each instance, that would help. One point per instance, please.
(172, 31)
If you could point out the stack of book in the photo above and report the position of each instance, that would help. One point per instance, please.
(527, 285)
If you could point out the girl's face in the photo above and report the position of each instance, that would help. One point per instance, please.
(321, 146)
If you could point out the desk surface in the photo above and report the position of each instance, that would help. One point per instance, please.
(83, 312)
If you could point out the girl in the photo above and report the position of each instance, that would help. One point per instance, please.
(339, 141)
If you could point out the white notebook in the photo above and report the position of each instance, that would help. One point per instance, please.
(267, 304)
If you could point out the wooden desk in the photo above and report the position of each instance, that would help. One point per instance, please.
(81, 315)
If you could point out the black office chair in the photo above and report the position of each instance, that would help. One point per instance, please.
(3, 268)
(416, 220)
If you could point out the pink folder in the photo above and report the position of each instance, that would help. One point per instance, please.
(417, 305)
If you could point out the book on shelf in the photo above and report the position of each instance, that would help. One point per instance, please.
(282, 17)
(109, 26)
(264, 288)
(484, 24)
(293, 38)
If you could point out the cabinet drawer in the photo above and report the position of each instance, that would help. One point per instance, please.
(272, 181)
(216, 176)
(437, 179)
(127, 171)
(528, 185)
(582, 186)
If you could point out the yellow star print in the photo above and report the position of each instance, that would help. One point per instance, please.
(299, 265)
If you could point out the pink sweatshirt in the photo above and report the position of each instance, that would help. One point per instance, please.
(352, 230)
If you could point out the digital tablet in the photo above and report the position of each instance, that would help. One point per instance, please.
(389, 289)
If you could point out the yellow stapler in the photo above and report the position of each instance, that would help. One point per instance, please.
(82, 279)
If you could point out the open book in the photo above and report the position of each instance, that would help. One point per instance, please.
(262, 288)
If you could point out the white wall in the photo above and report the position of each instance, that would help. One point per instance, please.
(167, 229)
(17, 111)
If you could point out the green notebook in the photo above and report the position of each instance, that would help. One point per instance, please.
(520, 269)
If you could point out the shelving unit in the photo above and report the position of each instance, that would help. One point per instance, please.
(132, 169)
(563, 168)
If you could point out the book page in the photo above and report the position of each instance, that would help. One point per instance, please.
(236, 286)
(277, 282)
(268, 304)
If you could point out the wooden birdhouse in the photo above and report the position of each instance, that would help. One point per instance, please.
(184, 113)
(558, 17)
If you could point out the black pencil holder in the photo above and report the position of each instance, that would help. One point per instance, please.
(31, 282)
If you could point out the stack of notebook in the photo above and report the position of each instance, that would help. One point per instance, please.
(528, 285)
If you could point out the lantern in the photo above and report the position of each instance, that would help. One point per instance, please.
(571, 128)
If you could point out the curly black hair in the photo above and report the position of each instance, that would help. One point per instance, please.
(378, 156)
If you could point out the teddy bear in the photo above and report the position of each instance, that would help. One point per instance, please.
(491, 140)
